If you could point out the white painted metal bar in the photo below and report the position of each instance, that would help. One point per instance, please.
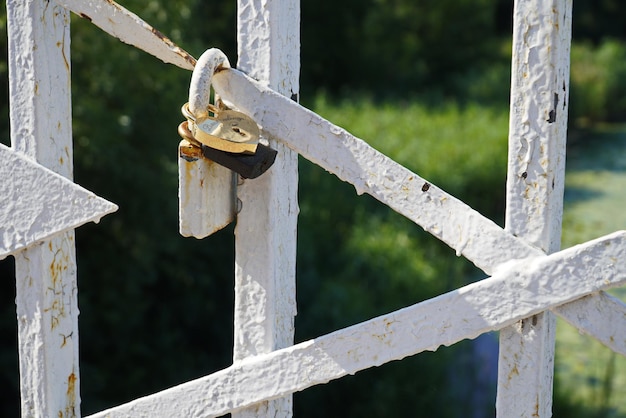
(352, 160)
(535, 182)
(37, 203)
(265, 235)
(40, 114)
(596, 312)
(131, 29)
(517, 290)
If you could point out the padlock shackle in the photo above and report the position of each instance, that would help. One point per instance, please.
(200, 87)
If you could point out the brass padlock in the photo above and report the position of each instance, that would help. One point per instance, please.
(247, 165)
(227, 130)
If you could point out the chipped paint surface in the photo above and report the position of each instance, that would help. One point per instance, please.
(517, 290)
(535, 182)
(38, 203)
(265, 233)
(131, 29)
(538, 122)
(200, 86)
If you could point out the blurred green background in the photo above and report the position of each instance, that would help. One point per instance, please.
(426, 83)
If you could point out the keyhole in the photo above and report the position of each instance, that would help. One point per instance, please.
(236, 129)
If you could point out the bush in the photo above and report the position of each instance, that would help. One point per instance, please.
(598, 83)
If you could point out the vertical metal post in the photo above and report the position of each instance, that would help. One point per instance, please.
(537, 136)
(40, 115)
(265, 235)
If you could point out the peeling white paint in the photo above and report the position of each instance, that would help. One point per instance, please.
(535, 182)
(46, 289)
(38, 203)
(265, 234)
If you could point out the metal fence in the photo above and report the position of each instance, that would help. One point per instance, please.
(530, 280)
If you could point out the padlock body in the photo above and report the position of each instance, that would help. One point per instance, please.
(248, 166)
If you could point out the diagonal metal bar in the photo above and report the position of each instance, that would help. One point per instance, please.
(602, 313)
(517, 290)
(353, 160)
(131, 29)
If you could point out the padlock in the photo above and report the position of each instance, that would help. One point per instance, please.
(247, 165)
(227, 130)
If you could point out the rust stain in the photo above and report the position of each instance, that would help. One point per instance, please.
(65, 338)
(513, 372)
(160, 35)
(178, 50)
(85, 16)
(58, 266)
(188, 152)
(71, 385)
(70, 406)
(536, 411)
(61, 45)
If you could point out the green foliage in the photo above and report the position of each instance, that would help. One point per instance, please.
(393, 46)
(598, 82)
(595, 20)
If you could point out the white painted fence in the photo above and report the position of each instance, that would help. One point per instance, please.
(530, 279)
